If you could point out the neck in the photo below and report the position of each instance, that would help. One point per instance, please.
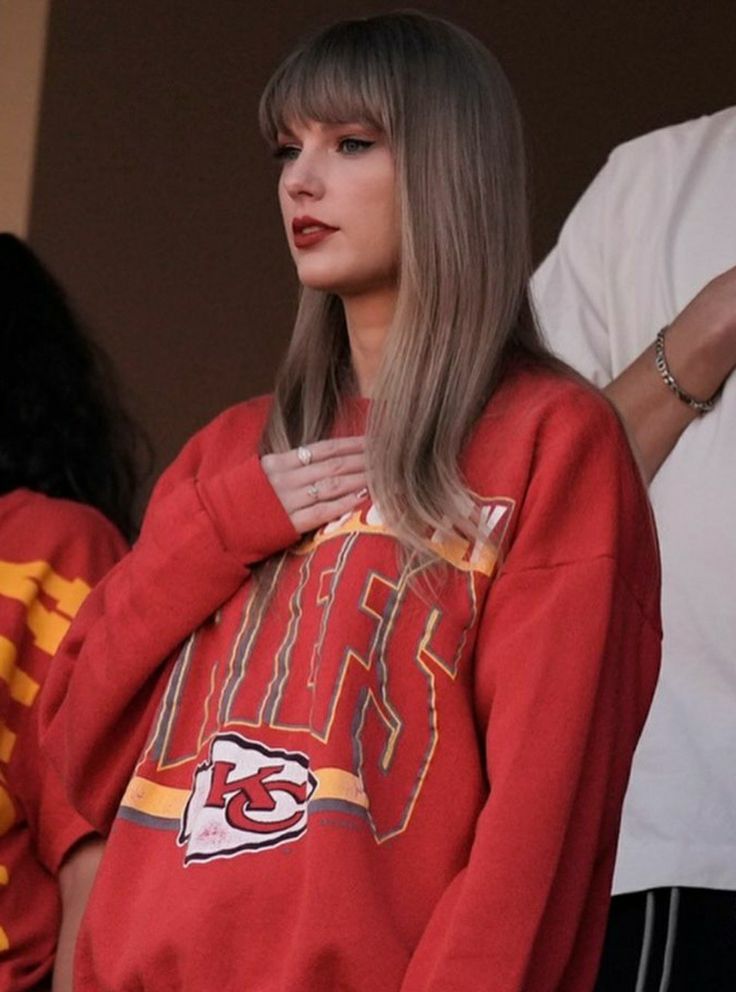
(368, 318)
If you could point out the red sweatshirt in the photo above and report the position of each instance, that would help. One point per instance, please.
(51, 551)
(370, 784)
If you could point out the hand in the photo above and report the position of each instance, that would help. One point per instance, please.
(700, 346)
(702, 338)
(76, 876)
(330, 484)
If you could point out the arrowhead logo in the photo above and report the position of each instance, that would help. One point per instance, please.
(246, 797)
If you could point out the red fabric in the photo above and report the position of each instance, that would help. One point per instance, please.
(178, 573)
(372, 783)
(51, 551)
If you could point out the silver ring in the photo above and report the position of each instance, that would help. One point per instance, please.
(304, 455)
(313, 491)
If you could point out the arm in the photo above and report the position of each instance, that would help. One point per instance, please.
(583, 290)
(530, 907)
(54, 550)
(199, 537)
(219, 510)
(566, 661)
(75, 883)
(701, 354)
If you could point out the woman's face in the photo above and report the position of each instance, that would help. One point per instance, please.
(337, 193)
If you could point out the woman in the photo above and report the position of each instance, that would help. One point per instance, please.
(67, 469)
(391, 751)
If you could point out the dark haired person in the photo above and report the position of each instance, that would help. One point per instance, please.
(66, 488)
(368, 686)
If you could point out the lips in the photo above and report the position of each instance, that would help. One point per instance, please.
(308, 231)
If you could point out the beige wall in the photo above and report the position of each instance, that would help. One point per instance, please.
(22, 46)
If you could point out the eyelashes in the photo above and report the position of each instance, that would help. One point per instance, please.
(353, 146)
(286, 153)
(346, 146)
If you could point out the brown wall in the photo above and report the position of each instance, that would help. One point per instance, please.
(153, 198)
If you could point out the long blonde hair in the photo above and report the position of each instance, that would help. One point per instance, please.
(462, 311)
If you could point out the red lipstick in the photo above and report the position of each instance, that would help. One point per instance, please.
(308, 231)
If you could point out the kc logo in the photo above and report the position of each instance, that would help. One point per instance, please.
(245, 798)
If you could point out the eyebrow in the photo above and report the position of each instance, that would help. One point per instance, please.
(285, 132)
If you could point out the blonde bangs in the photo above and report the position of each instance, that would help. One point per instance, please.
(343, 81)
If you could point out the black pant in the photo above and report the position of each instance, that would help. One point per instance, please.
(670, 940)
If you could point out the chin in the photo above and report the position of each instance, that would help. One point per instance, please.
(326, 282)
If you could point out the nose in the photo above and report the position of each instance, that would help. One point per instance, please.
(303, 178)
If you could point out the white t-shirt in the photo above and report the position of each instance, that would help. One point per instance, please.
(656, 224)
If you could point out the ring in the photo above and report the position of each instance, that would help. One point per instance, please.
(304, 455)
(313, 491)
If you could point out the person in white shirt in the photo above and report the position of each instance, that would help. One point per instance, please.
(639, 295)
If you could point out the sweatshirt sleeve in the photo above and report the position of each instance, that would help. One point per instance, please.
(53, 551)
(566, 662)
(92, 547)
(205, 526)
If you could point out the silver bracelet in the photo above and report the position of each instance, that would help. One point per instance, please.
(702, 406)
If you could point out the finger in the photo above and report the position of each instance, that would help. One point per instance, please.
(338, 466)
(329, 448)
(323, 490)
(329, 489)
(322, 513)
(294, 486)
(319, 451)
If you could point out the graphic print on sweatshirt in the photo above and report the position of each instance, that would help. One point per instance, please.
(246, 797)
(327, 698)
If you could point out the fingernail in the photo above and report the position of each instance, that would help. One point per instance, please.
(362, 493)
